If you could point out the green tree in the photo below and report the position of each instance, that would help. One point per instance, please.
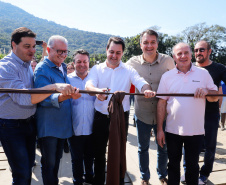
(214, 34)
(165, 45)
(2, 56)
(132, 47)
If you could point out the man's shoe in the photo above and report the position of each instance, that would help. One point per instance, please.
(134, 122)
(182, 179)
(203, 180)
(164, 181)
(144, 182)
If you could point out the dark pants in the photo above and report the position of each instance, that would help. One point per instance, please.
(51, 150)
(82, 155)
(18, 140)
(210, 142)
(192, 145)
(100, 138)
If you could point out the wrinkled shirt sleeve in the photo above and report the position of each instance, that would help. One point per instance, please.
(92, 77)
(9, 78)
(41, 80)
(136, 79)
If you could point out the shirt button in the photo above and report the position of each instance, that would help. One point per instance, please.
(150, 73)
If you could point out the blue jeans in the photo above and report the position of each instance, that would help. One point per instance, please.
(192, 145)
(18, 141)
(143, 138)
(52, 151)
(82, 155)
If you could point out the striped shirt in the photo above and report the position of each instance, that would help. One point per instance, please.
(14, 73)
(82, 108)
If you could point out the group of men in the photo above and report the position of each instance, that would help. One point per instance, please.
(85, 120)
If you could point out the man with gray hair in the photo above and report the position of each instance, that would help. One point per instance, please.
(184, 122)
(150, 65)
(54, 123)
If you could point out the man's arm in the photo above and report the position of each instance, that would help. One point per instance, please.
(9, 79)
(66, 90)
(213, 98)
(147, 90)
(202, 92)
(221, 97)
(161, 113)
(100, 97)
(44, 51)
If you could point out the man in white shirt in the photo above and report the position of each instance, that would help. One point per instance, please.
(115, 76)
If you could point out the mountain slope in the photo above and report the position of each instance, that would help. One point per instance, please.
(12, 17)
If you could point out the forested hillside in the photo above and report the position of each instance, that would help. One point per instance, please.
(12, 17)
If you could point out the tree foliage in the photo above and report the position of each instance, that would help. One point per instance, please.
(214, 34)
(12, 17)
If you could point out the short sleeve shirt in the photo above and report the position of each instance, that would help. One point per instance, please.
(146, 109)
(185, 115)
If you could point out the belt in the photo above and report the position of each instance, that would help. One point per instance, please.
(19, 120)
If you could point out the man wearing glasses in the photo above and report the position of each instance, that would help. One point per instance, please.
(218, 73)
(54, 123)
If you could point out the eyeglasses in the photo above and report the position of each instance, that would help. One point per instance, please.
(199, 49)
(60, 52)
(70, 68)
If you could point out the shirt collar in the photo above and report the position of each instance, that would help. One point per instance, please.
(121, 64)
(74, 74)
(190, 70)
(21, 62)
(51, 64)
(156, 61)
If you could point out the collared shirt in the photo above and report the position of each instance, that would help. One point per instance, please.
(15, 73)
(118, 79)
(53, 118)
(146, 109)
(185, 115)
(82, 108)
(218, 73)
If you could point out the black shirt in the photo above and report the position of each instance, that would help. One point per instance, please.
(218, 73)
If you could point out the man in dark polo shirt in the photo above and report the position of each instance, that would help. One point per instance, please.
(150, 65)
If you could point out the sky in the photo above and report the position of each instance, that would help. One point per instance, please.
(127, 18)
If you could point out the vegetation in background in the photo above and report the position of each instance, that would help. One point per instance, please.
(12, 17)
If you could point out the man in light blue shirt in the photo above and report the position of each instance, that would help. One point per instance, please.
(82, 118)
(17, 124)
